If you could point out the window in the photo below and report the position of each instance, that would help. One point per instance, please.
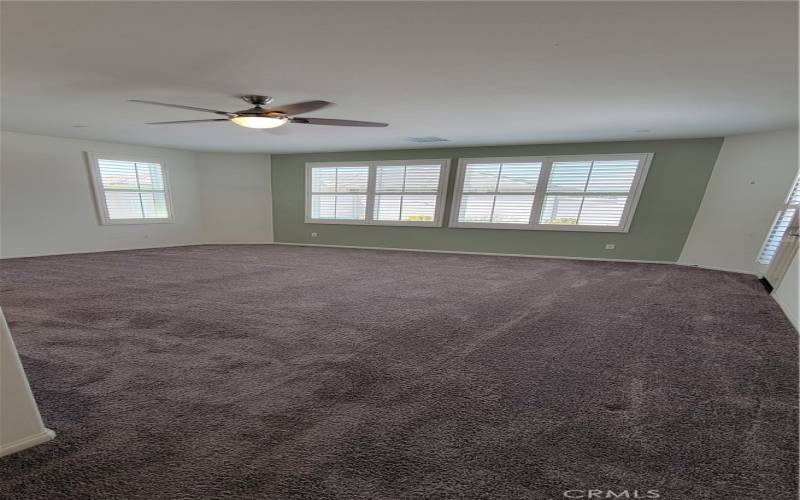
(339, 192)
(586, 193)
(498, 193)
(783, 220)
(408, 192)
(130, 191)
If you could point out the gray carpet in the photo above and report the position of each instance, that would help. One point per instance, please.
(275, 372)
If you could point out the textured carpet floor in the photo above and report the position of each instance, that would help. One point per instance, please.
(274, 372)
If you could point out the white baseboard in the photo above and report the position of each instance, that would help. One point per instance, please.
(79, 252)
(174, 245)
(28, 442)
(459, 252)
(393, 249)
(715, 268)
(217, 243)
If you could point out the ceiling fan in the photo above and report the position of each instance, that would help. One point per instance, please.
(259, 117)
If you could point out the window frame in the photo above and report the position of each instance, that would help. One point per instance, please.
(787, 205)
(441, 193)
(100, 192)
(541, 190)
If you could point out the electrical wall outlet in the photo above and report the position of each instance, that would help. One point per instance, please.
(314, 235)
(610, 246)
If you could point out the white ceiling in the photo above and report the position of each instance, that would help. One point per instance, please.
(474, 73)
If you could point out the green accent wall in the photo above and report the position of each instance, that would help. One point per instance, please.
(669, 201)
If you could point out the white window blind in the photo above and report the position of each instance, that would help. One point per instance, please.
(391, 193)
(498, 193)
(131, 191)
(339, 193)
(588, 193)
(783, 220)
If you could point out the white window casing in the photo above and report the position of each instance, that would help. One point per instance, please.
(780, 225)
(394, 193)
(556, 193)
(130, 190)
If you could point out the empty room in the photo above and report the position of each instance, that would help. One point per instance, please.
(394, 250)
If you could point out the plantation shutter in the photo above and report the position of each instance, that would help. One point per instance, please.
(132, 190)
(781, 224)
(498, 193)
(339, 193)
(588, 193)
(406, 192)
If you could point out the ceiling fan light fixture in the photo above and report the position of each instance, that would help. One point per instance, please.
(260, 121)
(259, 118)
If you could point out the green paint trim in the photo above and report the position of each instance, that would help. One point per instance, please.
(668, 204)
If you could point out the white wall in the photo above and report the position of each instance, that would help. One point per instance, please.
(236, 197)
(788, 292)
(47, 205)
(750, 181)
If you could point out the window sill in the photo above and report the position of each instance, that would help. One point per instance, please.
(115, 222)
(543, 227)
(372, 223)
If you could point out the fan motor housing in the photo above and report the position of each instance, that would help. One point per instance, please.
(257, 100)
(259, 111)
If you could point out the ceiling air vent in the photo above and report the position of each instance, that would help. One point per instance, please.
(427, 138)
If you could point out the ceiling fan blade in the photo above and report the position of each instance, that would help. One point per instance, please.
(334, 121)
(189, 121)
(298, 108)
(215, 111)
